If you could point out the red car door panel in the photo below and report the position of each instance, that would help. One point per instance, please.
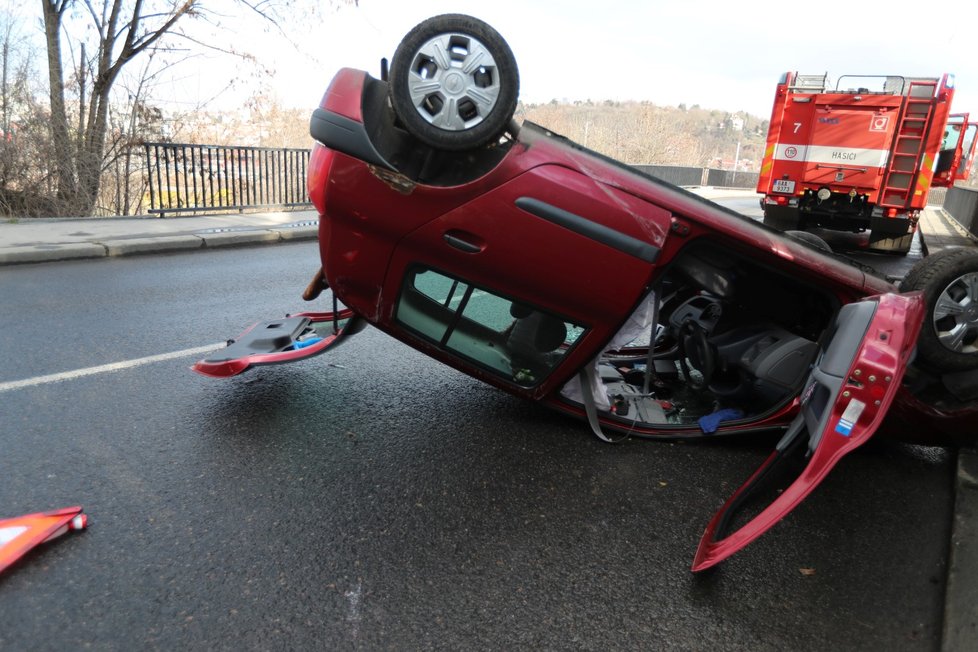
(847, 395)
(552, 238)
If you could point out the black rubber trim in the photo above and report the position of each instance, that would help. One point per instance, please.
(592, 230)
(344, 135)
(267, 337)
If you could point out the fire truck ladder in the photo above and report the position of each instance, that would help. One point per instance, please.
(910, 145)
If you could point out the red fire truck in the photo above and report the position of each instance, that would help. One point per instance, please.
(862, 155)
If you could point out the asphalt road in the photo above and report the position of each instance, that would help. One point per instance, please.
(373, 499)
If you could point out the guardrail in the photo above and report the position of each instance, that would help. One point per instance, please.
(189, 178)
(962, 204)
(683, 175)
(186, 178)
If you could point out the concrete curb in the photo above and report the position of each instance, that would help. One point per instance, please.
(161, 244)
(50, 253)
(238, 238)
(118, 247)
(960, 631)
(298, 233)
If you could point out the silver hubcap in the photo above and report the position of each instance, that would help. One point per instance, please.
(956, 315)
(453, 82)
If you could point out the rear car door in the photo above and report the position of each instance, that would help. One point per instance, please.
(551, 245)
(852, 385)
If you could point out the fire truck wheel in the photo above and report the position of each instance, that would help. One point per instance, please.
(949, 281)
(810, 239)
(454, 83)
(782, 218)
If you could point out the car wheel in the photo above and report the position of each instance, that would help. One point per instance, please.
(454, 82)
(949, 281)
(810, 239)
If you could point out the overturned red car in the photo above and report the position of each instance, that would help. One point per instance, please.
(562, 276)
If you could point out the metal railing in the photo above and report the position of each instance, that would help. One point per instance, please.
(962, 204)
(185, 178)
(684, 175)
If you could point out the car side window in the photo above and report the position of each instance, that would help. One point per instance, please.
(514, 340)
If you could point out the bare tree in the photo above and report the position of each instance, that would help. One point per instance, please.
(132, 123)
(123, 31)
(24, 140)
(643, 133)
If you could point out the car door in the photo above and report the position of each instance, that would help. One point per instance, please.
(953, 159)
(851, 386)
(968, 142)
(549, 245)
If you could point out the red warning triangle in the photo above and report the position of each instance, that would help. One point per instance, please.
(21, 533)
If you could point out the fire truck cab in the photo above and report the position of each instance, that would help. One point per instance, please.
(863, 155)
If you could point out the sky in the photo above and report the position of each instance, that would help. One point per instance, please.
(725, 55)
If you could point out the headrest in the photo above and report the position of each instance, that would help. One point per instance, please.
(551, 333)
(520, 310)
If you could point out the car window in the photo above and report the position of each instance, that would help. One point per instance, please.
(517, 341)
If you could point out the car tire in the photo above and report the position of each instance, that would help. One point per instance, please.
(810, 239)
(949, 280)
(454, 83)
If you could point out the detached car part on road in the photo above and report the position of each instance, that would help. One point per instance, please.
(562, 276)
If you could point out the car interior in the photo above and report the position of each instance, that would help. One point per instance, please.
(729, 335)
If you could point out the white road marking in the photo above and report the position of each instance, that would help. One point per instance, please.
(105, 368)
(354, 615)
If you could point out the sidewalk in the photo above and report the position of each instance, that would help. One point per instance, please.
(34, 240)
(939, 230)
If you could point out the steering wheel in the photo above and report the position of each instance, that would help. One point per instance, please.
(696, 352)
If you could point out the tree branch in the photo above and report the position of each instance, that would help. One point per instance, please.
(135, 47)
(99, 23)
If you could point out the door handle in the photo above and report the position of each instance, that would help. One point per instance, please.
(464, 242)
